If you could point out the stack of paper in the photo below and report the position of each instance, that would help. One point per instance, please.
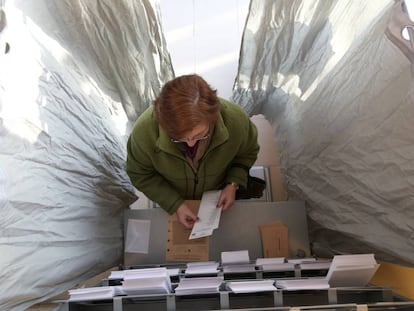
(239, 268)
(146, 281)
(274, 264)
(208, 215)
(236, 261)
(286, 266)
(93, 293)
(119, 274)
(116, 275)
(251, 286)
(235, 257)
(270, 260)
(352, 270)
(302, 284)
(315, 265)
(204, 285)
(301, 260)
(173, 272)
(203, 267)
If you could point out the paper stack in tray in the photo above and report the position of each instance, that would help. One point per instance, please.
(253, 286)
(302, 284)
(351, 270)
(274, 264)
(202, 285)
(236, 261)
(94, 293)
(203, 267)
(146, 281)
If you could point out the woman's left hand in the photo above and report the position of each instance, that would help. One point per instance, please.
(227, 197)
(185, 216)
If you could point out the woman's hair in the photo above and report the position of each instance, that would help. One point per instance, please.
(184, 103)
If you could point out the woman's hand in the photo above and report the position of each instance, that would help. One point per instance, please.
(227, 197)
(185, 216)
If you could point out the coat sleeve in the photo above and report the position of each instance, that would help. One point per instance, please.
(147, 180)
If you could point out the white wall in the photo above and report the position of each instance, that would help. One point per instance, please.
(204, 37)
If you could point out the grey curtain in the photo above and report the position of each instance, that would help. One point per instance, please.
(77, 75)
(339, 95)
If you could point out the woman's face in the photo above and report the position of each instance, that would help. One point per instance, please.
(199, 132)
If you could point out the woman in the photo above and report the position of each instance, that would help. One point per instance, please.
(189, 142)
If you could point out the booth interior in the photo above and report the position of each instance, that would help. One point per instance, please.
(330, 87)
(259, 258)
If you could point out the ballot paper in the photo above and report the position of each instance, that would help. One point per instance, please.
(145, 286)
(303, 284)
(285, 266)
(173, 272)
(203, 285)
(116, 275)
(235, 257)
(208, 215)
(120, 274)
(301, 260)
(315, 265)
(236, 261)
(253, 286)
(205, 267)
(270, 260)
(351, 270)
(239, 268)
(274, 264)
(94, 293)
(146, 281)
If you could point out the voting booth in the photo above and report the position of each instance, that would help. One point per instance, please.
(282, 275)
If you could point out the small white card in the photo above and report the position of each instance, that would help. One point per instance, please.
(138, 235)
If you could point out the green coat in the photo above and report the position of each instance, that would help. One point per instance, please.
(160, 170)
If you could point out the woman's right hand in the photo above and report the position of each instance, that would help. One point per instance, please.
(185, 216)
